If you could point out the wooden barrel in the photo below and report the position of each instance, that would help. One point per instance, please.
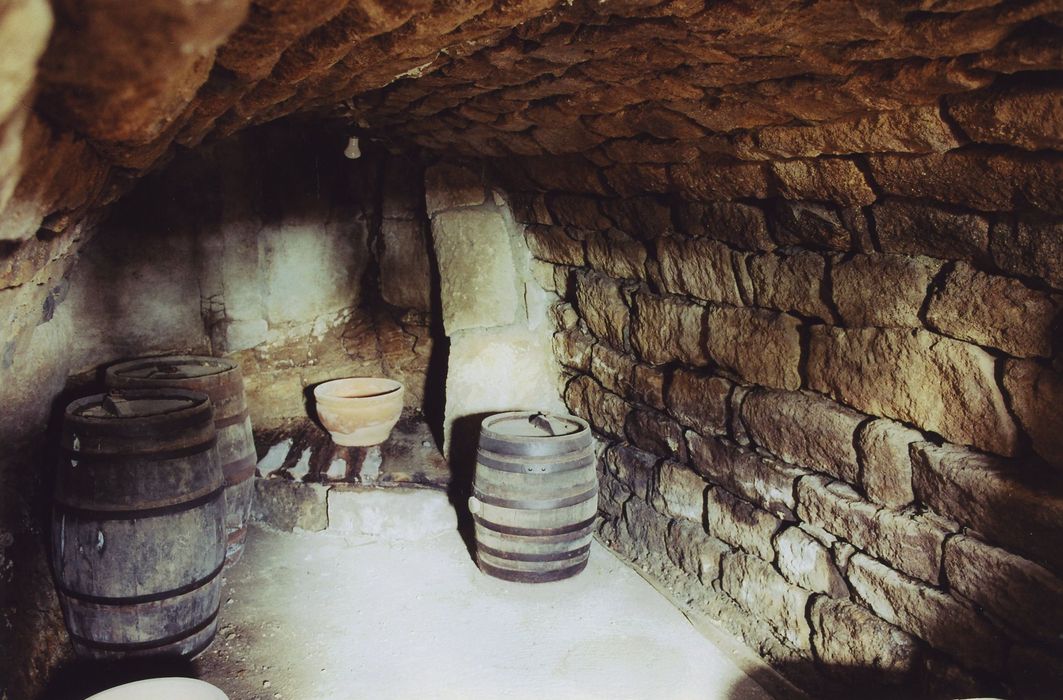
(535, 496)
(138, 535)
(221, 380)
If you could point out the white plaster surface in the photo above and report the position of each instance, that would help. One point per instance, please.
(332, 618)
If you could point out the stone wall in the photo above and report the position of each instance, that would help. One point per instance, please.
(829, 423)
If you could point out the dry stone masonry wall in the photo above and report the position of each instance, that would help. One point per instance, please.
(833, 429)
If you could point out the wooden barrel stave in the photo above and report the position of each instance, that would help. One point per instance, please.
(222, 380)
(534, 503)
(138, 540)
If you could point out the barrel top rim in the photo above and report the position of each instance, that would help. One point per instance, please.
(120, 370)
(485, 425)
(196, 400)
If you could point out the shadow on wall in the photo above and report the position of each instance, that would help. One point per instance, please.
(465, 437)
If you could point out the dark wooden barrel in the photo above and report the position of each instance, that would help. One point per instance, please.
(535, 496)
(222, 381)
(138, 534)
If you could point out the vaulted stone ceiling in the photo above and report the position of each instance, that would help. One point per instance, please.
(703, 98)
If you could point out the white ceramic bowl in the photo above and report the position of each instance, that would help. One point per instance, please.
(359, 411)
(163, 689)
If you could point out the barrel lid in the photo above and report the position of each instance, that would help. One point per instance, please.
(529, 424)
(121, 405)
(171, 367)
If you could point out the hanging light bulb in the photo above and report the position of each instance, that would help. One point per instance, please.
(352, 151)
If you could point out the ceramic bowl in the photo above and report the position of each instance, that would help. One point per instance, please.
(359, 411)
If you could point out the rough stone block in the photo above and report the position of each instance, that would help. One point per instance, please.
(694, 551)
(740, 523)
(886, 466)
(647, 386)
(823, 179)
(766, 482)
(1036, 395)
(397, 514)
(805, 562)
(741, 225)
(882, 290)
(763, 592)
(655, 432)
(605, 411)
(911, 544)
(600, 301)
(1020, 594)
(790, 282)
(617, 254)
(720, 181)
(860, 647)
(405, 268)
(680, 492)
(478, 281)
(647, 530)
(1032, 249)
(999, 498)
(574, 348)
(552, 244)
(999, 312)
(612, 369)
(915, 228)
(699, 401)
(936, 383)
(927, 613)
(290, 505)
(530, 208)
(633, 467)
(809, 225)
(699, 267)
(641, 217)
(577, 210)
(804, 429)
(1023, 116)
(668, 329)
(733, 332)
(451, 186)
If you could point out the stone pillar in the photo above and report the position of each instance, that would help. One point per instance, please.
(494, 312)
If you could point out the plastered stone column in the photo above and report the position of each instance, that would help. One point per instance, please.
(494, 312)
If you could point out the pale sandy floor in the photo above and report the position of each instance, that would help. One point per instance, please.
(337, 616)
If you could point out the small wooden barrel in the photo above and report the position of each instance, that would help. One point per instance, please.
(221, 380)
(138, 535)
(535, 496)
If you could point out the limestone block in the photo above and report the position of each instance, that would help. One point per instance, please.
(680, 492)
(402, 191)
(762, 592)
(699, 267)
(740, 225)
(605, 411)
(999, 312)
(1036, 395)
(646, 529)
(740, 523)
(859, 646)
(405, 268)
(1026, 117)
(573, 349)
(804, 429)
(617, 254)
(449, 186)
(806, 563)
(1030, 248)
(634, 468)
(699, 401)
(612, 369)
(767, 482)
(936, 383)
(716, 181)
(994, 497)
(641, 217)
(577, 210)
(763, 347)
(397, 514)
(600, 301)
(530, 208)
(655, 432)
(552, 244)
(694, 551)
(24, 28)
(882, 290)
(498, 370)
(824, 179)
(668, 329)
(909, 543)
(886, 473)
(290, 505)
(809, 225)
(915, 228)
(647, 386)
(478, 281)
(927, 613)
(1017, 592)
(790, 282)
